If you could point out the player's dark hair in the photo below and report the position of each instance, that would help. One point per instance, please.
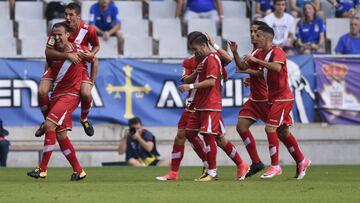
(74, 6)
(192, 35)
(62, 24)
(199, 39)
(266, 29)
(134, 121)
(259, 23)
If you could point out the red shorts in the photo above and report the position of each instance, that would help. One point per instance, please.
(206, 122)
(184, 119)
(85, 76)
(61, 109)
(254, 110)
(279, 114)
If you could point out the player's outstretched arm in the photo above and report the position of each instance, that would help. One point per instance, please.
(51, 53)
(224, 54)
(240, 64)
(275, 66)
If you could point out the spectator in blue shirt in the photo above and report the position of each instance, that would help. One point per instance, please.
(350, 43)
(310, 32)
(296, 7)
(211, 9)
(263, 8)
(346, 8)
(140, 146)
(104, 16)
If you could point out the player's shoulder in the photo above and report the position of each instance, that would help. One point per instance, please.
(188, 60)
(278, 50)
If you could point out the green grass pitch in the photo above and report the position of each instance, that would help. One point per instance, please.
(127, 185)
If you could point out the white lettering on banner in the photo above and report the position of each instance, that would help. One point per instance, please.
(169, 96)
(11, 93)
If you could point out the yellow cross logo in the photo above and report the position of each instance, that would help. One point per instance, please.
(128, 88)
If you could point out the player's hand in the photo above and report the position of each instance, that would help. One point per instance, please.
(248, 57)
(87, 55)
(106, 36)
(210, 39)
(314, 46)
(199, 67)
(74, 57)
(184, 87)
(246, 82)
(233, 46)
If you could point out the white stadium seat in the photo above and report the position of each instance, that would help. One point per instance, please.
(244, 45)
(4, 10)
(235, 27)
(162, 9)
(6, 28)
(234, 9)
(85, 10)
(138, 47)
(336, 27)
(202, 25)
(129, 9)
(166, 27)
(173, 47)
(8, 47)
(135, 27)
(29, 10)
(32, 28)
(33, 46)
(109, 49)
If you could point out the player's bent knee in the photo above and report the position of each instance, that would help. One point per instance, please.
(49, 125)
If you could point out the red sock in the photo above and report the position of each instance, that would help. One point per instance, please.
(211, 150)
(44, 105)
(176, 157)
(70, 154)
(273, 148)
(85, 107)
(292, 145)
(231, 151)
(250, 145)
(197, 144)
(49, 146)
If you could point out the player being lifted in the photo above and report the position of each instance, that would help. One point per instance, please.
(82, 34)
(65, 99)
(273, 61)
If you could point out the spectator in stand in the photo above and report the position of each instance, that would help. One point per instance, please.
(346, 8)
(283, 25)
(350, 43)
(263, 8)
(104, 16)
(310, 32)
(211, 9)
(297, 6)
(4, 145)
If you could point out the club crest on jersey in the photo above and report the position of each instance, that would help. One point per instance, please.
(52, 41)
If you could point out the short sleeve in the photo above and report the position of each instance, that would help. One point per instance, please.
(321, 25)
(148, 136)
(279, 56)
(92, 15)
(93, 38)
(116, 16)
(212, 67)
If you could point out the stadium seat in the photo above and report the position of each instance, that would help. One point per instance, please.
(8, 47)
(4, 10)
(135, 27)
(85, 10)
(28, 28)
(328, 9)
(138, 47)
(203, 25)
(173, 47)
(29, 10)
(162, 9)
(109, 49)
(333, 42)
(336, 27)
(33, 47)
(129, 9)
(234, 9)
(7, 28)
(166, 27)
(235, 27)
(244, 45)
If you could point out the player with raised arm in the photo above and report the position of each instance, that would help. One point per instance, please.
(65, 99)
(82, 34)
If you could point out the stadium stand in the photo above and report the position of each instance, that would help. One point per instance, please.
(232, 28)
(129, 9)
(172, 47)
(141, 47)
(135, 27)
(33, 46)
(234, 9)
(8, 46)
(7, 27)
(32, 28)
(161, 9)
(203, 25)
(85, 10)
(336, 27)
(166, 27)
(4, 10)
(29, 10)
(108, 49)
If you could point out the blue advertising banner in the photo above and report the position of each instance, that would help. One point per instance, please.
(339, 89)
(127, 88)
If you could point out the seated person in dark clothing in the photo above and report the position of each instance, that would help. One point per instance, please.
(140, 146)
(4, 145)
